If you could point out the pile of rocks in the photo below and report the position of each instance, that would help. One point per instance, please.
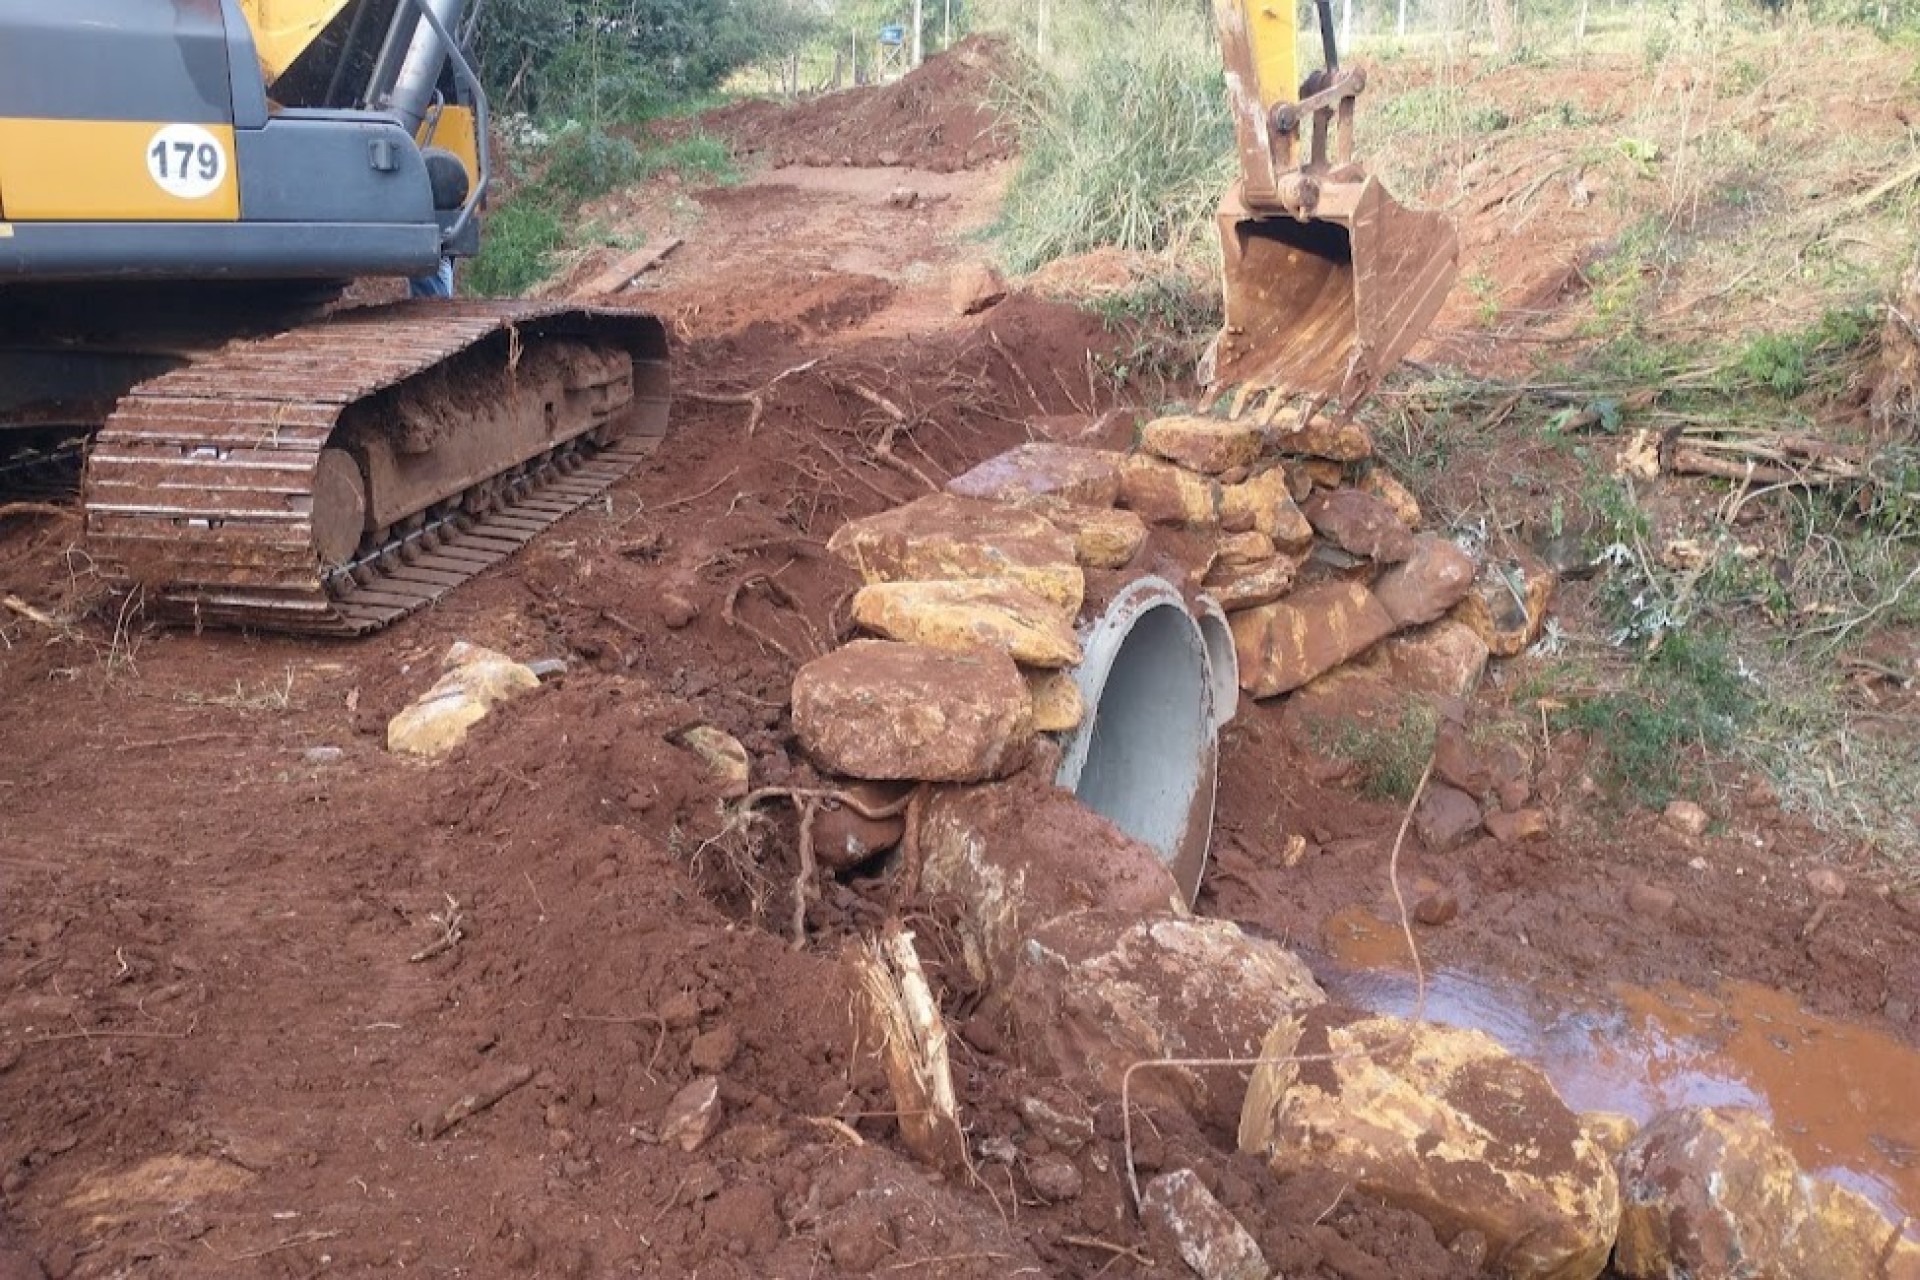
(1315, 553)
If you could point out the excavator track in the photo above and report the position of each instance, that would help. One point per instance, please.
(208, 487)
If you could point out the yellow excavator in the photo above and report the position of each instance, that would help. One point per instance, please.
(188, 186)
(186, 189)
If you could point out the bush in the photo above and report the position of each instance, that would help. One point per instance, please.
(1127, 143)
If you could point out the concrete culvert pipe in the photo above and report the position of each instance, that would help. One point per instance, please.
(1146, 756)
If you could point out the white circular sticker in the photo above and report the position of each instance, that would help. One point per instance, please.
(187, 161)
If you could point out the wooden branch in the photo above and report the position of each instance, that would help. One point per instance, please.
(629, 268)
(473, 1102)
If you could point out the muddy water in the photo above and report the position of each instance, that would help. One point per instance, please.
(1844, 1098)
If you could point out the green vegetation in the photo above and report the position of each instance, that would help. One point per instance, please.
(1128, 143)
(1687, 699)
(1390, 753)
(579, 163)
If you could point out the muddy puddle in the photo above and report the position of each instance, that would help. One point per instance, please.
(1842, 1096)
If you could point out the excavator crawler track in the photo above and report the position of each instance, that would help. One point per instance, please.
(202, 488)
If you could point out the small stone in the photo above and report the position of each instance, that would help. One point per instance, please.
(1611, 1131)
(1054, 1178)
(1211, 1240)
(1161, 493)
(1651, 901)
(1458, 763)
(886, 711)
(843, 837)
(1058, 706)
(680, 1011)
(1686, 817)
(476, 680)
(1438, 908)
(1514, 794)
(1445, 818)
(859, 1242)
(323, 755)
(1265, 504)
(548, 668)
(1432, 580)
(1285, 645)
(677, 611)
(1208, 445)
(1360, 524)
(714, 1051)
(1520, 827)
(1058, 1116)
(1042, 470)
(902, 198)
(726, 760)
(1238, 550)
(972, 615)
(1827, 883)
(692, 1115)
(1250, 586)
(974, 287)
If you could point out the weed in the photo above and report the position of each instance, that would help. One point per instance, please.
(1390, 753)
(1689, 694)
(520, 238)
(1788, 365)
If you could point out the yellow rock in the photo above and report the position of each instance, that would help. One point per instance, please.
(1161, 493)
(476, 681)
(1057, 704)
(1208, 445)
(1283, 646)
(1445, 1123)
(1381, 484)
(1103, 538)
(950, 539)
(1248, 586)
(1043, 469)
(1508, 603)
(1238, 550)
(962, 617)
(726, 759)
(1713, 1192)
(1265, 504)
(1322, 437)
(1610, 1130)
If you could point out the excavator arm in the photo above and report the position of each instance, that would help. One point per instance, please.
(1328, 280)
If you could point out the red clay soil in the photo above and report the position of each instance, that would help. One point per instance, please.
(935, 117)
(248, 959)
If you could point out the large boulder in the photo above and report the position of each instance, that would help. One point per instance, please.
(944, 538)
(1442, 1122)
(964, 617)
(1359, 524)
(474, 681)
(1103, 538)
(1210, 1240)
(1020, 853)
(1096, 992)
(1285, 645)
(1712, 1194)
(1209, 445)
(1090, 476)
(1435, 576)
(1429, 666)
(886, 711)
(1161, 493)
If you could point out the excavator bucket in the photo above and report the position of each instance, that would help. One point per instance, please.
(1328, 279)
(1322, 307)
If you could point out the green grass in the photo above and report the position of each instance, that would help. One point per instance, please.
(1167, 319)
(522, 234)
(1390, 754)
(1129, 144)
(1687, 700)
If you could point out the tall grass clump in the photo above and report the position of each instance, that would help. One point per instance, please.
(1125, 138)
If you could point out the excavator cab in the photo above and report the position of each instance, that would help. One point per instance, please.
(1328, 280)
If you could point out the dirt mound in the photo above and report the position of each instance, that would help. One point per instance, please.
(936, 117)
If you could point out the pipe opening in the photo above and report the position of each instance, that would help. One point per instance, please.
(1145, 758)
